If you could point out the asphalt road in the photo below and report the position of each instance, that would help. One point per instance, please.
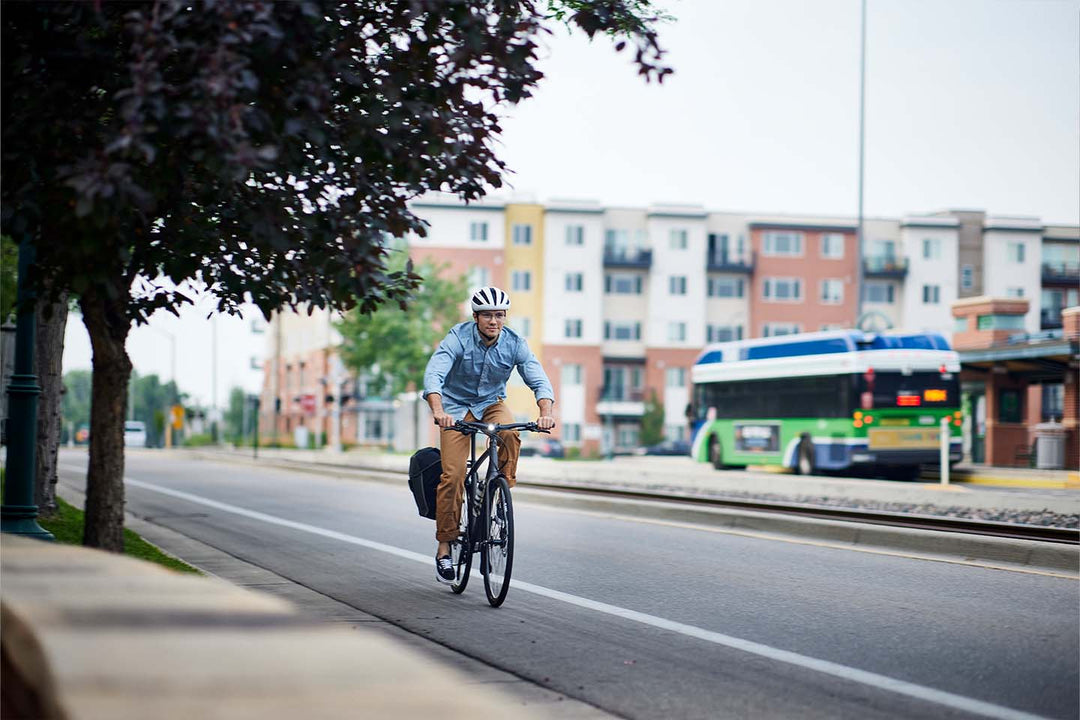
(654, 620)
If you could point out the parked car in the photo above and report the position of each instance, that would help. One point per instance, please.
(667, 447)
(542, 447)
(134, 433)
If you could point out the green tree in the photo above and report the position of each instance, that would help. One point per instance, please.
(234, 416)
(148, 399)
(391, 347)
(652, 422)
(262, 150)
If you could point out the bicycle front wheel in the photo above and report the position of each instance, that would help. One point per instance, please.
(498, 547)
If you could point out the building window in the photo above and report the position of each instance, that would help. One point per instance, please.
(1016, 292)
(967, 277)
(677, 284)
(1053, 401)
(575, 235)
(931, 294)
(675, 377)
(621, 284)
(833, 326)
(782, 290)
(523, 325)
(479, 277)
(373, 427)
(777, 329)
(1010, 409)
(876, 292)
(832, 291)
(573, 282)
(832, 246)
(572, 374)
(783, 243)
(960, 325)
(571, 432)
(725, 287)
(676, 332)
(521, 280)
(677, 238)
(522, 234)
(627, 436)
(1000, 322)
(573, 328)
(1016, 252)
(478, 231)
(723, 333)
(931, 248)
(615, 330)
(675, 432)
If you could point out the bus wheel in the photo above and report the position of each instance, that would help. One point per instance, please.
(805, 462)
(716, 453)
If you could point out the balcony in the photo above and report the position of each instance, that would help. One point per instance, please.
(723, 262)
(620, 402)
(885, 266)
(1060, 273)
(616, 257)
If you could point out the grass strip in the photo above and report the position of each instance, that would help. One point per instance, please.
(67, 527)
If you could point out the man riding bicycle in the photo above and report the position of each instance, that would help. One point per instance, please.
(466, 379)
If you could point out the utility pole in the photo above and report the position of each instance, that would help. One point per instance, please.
(862, 132)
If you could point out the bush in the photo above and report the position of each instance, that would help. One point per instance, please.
(199, 440)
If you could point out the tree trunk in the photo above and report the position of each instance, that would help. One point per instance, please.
(48, 356)
(108, 326)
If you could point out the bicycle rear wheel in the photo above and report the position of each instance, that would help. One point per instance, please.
(461, 549)
(497, 559)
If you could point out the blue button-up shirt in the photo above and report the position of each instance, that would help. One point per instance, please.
(471, 376)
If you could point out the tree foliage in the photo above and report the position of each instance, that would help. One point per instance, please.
(9, 274)
(235, 416)
(264, 150)
(149, 400)
(390, 348)
(652, 422)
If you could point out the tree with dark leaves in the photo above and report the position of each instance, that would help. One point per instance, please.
(261, 151)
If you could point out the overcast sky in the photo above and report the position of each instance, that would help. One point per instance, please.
(969, 104)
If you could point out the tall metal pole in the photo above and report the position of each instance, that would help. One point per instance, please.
(862, 126)
(18, 513)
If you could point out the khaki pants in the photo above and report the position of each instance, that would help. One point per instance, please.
(454, 448)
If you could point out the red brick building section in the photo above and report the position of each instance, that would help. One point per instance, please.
(592, 366)
(812, 267)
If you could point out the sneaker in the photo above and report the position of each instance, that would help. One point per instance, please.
(444, 569)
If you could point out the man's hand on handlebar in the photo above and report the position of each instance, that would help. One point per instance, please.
(442, 419)
(545, 422)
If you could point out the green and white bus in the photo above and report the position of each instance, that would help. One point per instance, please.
(828, 401)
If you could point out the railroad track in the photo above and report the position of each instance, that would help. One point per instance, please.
(1067, 536)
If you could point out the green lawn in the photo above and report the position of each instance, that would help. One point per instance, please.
(67, 527)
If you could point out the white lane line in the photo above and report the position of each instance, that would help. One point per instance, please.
(901, 687)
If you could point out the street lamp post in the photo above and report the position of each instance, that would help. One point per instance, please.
(862, 124)
(18, 513)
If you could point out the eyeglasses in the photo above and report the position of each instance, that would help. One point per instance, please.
(501, 316)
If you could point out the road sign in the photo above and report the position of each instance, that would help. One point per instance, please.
(176, 415)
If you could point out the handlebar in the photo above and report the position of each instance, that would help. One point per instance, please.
(470, 428)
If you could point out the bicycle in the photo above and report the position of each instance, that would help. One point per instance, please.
(487, 515)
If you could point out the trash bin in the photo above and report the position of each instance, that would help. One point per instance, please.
(1050, 446)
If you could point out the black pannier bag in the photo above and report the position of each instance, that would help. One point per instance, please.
(425, 469)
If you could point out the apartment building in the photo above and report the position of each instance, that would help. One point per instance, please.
(617, 302)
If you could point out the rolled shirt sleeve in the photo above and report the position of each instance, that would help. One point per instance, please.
(442, 360)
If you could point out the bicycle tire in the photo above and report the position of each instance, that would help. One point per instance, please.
(497, 552)
(462, 546)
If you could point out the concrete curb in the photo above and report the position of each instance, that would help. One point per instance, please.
(935, 545)
(95, 635)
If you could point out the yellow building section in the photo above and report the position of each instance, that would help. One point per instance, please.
(524, 259)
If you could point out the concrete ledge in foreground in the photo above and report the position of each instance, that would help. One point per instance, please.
(89, 634)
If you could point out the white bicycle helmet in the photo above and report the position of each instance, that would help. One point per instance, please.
(490, 298)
